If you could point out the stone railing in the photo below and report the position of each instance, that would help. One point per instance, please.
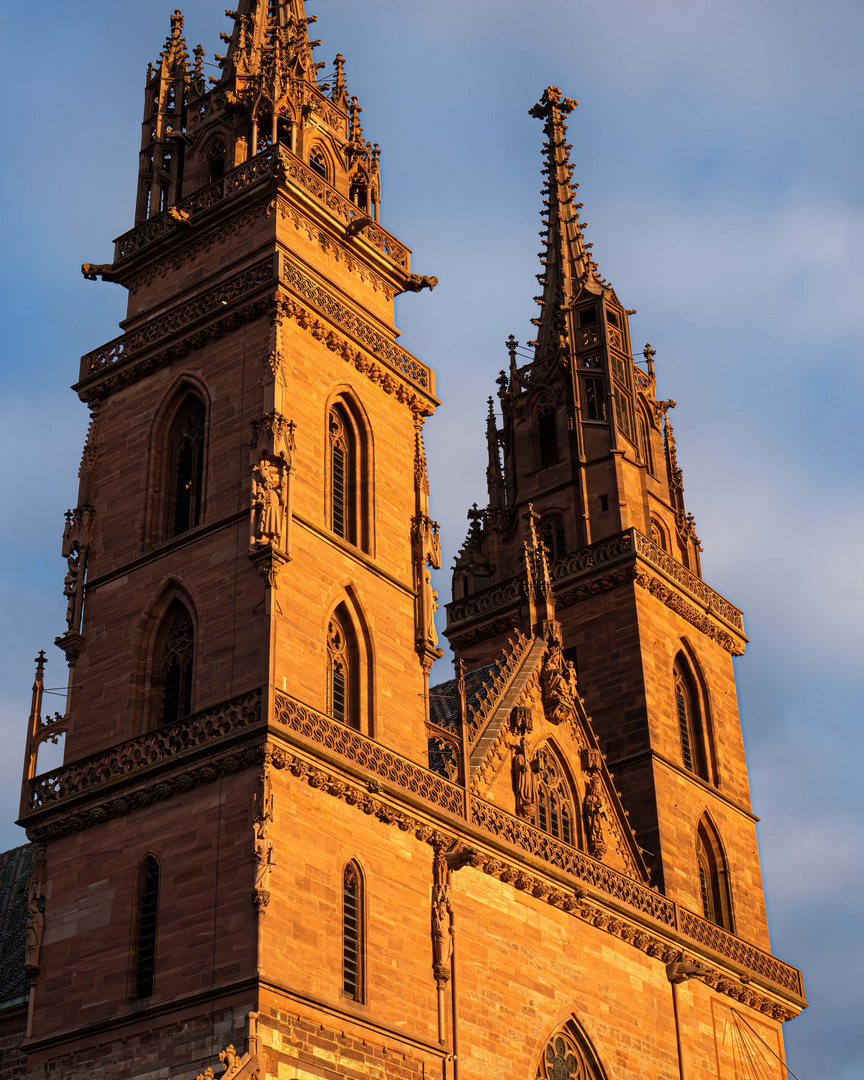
(499, 677)
(275, 161)
(368, 754)
(571, 861)
(154, 747)
(663, 561)
(180, 317)
(612, 550)
(579, 865)
(748, 956)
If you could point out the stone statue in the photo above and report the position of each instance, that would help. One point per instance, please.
(70, 590)
(268, 501)
(524, 781)
(594, 810)
(265, 856)
(442, 939)
(431, 632)
(35, 925)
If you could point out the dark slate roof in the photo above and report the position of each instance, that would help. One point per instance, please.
(442, 697)
(16, 868)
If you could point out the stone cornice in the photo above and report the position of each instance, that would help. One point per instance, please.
(231, 737)
(628, 556)
(190, 325)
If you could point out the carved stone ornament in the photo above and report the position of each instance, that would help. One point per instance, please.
(559, 684)
(35, 919)
(265, 860)
(594, 812)
(524, 781)
(442, 934)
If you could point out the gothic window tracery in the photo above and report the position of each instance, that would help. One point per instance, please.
(552, 535)
(713, 875)
(689, 720)
(645, 454)
(186, 477)
(338, 670)
(658, 535)
(349, 482)
(352, 932)
(216, 161)
(176, 664)
(145, 928)
(554, 813)
(566, 1058)
(317, 162)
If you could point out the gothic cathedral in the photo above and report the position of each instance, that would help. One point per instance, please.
(273, 851)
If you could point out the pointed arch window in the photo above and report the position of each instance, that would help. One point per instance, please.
(186, 475)
(552, 535)
(547, 434)
(689, 720)
(569, 1056)
(713, 876)
(359, 192)
(216, 156)
(343, 669)
(658, 535)
(317, 162)
(349, 485)
(353, 944)
(554, 814)
(147, 915)
(645, 454)
(176, 665)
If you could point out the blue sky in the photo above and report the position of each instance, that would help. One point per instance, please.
(719, 149)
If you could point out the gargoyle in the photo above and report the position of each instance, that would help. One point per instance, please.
(416, 282)
(180, 216)
(357, 226)
(93, 271)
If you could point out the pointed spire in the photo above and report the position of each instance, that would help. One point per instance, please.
(270, 38)
(494, 475)
(175, 54)
(566, 260)
(339, 93)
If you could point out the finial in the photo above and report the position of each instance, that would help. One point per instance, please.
(649, 355)
(356, 132)
(550, 101)
(531, 517)
(199, 63)
(501, 382)
(339, 89)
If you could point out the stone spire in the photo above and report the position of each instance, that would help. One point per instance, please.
(566, 259)
(494, 474)
(270, 42)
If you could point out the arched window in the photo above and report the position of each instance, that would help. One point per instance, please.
(689, 720)
(349, 508)
(645, 455)
(216, 161)
(568, 1055)
(713, 875)
(144, 967)
(554, 813)
(176, 664)
(552, 535)
(186, 474)
(343, 470)
(547, 434)
(658, 535)
(317, 162)
(359, 192)
(343, 669)
(352, 932)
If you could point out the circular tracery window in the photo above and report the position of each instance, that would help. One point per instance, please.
(564, 1060)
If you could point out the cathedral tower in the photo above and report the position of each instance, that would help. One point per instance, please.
(267, 830)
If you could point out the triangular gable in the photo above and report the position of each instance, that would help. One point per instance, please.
(540, 703)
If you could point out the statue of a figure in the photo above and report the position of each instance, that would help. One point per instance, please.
(442, 939)
(70, 589)
(524, 781)
(267, 503)
(560, 682)
(35, 926)
(594, 810)
(431, 632)
(265, 856)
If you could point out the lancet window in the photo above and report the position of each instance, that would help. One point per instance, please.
(343, 669)
(552, 535)
(216, 161)
(595, 399)
(689, 720)
(547, 435)
(352, 932)
(176, 665)
(317, 162)
(144, 972)
(645, 454)
(554, 813)
(713, 875)
(186, 477)
(348, 482)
